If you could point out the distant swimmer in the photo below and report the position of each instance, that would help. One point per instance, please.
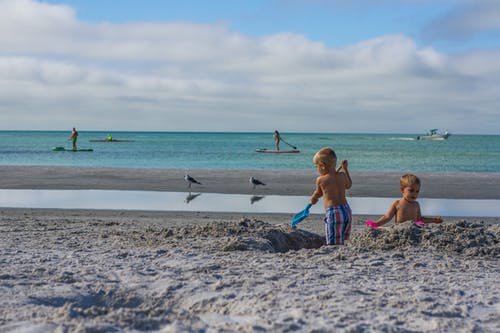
(74, 137)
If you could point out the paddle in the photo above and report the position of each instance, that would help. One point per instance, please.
(288, 143)
(300, 216)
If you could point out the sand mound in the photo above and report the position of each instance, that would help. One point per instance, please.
(469, 239)
(464, 238)
(247, 234)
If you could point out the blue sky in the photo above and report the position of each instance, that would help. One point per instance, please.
(335, 23)
(295, 65)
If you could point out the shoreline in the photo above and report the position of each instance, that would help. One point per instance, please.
(444, 185)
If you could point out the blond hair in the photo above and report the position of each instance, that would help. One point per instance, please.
(409, 180)
(325, 155)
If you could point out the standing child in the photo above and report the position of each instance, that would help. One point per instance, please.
(407, 208)
(331, 185)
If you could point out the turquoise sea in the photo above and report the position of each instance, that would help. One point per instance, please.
(365, 152)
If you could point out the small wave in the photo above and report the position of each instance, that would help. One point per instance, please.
(403, 139)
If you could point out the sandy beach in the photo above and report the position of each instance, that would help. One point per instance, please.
(463, 185)
(138, 271)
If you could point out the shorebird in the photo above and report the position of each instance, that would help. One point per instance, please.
(255, 182)
(190, 180)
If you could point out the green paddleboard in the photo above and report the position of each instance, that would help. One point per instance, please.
(75, 151)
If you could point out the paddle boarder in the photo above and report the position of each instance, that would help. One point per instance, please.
(277, 139)
(74, 137)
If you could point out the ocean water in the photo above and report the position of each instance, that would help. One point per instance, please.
(365, 152)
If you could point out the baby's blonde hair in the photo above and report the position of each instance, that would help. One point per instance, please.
(325, 155)
(409, 180)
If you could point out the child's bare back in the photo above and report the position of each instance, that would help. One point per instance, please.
(332, 187)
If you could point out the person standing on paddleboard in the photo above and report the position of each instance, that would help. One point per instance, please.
(74, 136)
(277, 139)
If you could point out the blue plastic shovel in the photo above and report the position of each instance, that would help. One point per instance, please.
(300, 216)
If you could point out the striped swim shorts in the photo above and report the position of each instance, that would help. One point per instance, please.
(338, 224)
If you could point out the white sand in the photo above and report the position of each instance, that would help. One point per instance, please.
(104, 271)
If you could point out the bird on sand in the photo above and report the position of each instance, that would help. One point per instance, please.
(190, 180)
(254, 181)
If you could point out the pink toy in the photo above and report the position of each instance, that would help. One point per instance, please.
(420, 224)
(371, 224)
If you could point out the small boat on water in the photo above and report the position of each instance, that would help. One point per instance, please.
(273, 151)
(434, 135)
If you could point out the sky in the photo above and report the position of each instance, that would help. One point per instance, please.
(336, 66)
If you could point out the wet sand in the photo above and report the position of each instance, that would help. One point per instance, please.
(279, 182)
(133, 271)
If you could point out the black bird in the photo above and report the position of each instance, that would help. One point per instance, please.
(255, 182)
(190, 180)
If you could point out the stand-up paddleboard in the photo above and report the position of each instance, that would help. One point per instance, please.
(105, 140)
(64, 149)
(272, 151)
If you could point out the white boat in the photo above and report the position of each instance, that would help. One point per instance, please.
(434, 135)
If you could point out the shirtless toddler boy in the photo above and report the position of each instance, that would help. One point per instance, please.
(331, 185)
(407, 208)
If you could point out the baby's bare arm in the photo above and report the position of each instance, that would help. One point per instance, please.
(437, 219)
(388, 215)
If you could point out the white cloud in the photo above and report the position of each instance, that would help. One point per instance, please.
(56, 72)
